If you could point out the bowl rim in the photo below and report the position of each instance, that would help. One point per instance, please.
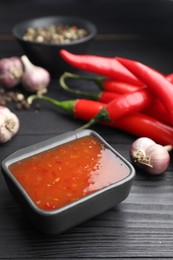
(54, 142)
(91, 34)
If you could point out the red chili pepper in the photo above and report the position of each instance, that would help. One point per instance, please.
(104, 96)
(119, 86)
(144, 125)
(81, 108)
(108, 67)
(156, 109)
(107, 97)
(136, 124)
(121, 106)
(170, 77)
(105, 84)
(87, 109)
(158, 84)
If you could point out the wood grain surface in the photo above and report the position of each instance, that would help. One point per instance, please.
(141, 226)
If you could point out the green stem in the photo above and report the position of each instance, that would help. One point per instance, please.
(102, 116)
(98, 80)
(67, 105)
(88, 124)
(76, 91)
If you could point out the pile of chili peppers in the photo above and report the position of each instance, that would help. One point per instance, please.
(134, 97)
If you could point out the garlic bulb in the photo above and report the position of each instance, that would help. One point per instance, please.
(9, 124)
(150, 156)
(34, 78)
(11, 70)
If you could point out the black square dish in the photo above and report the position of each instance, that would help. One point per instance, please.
(86, 153)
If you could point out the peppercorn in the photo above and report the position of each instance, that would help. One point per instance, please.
(55, 34)
(15, 97)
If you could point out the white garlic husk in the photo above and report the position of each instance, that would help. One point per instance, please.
(150, 156)
(142, 143)
(34, 79)
(9, 124)
(11, 71)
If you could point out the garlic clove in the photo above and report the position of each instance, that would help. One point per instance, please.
(11, 70)
(149, 156)
(138, 147)
(35, 78)
(9, 124)
(5, 135)
(159, 158)
(142, 143)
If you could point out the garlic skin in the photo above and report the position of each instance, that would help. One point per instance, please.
(9, 124)
(142, 143)
(150, 156)
(34, 79)
(11, 70)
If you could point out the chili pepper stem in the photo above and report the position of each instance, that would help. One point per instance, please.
(98, 80)
(75, 91)
(68, 105)
(88, 124)
(76, 76)
(102, 116)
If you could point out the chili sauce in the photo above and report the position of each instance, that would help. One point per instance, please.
(66, 173)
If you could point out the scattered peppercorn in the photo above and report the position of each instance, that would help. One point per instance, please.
(55, 34)
(15, 97)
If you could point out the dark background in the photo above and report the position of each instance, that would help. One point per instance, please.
(141, 226)
(112, 16)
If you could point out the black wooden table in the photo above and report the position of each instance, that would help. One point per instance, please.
(141, 226)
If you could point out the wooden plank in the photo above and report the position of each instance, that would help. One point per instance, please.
(140, 227)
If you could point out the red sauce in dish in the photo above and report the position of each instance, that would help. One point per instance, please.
(59, 176)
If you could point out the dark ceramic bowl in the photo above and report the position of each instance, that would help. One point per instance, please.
(47, 54)
(58, 220)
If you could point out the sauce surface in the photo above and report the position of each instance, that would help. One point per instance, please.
(66, 173)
